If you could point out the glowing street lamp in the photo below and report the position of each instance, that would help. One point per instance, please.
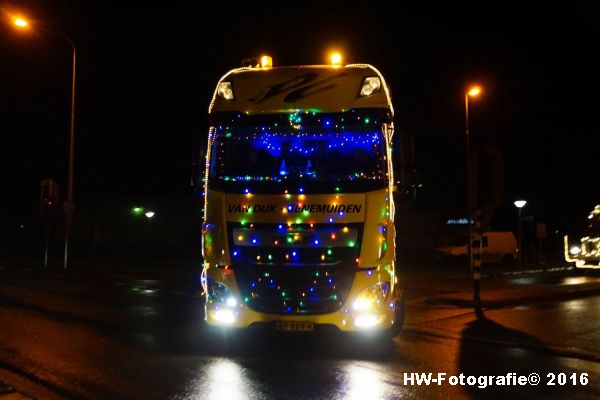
(22, 23)
(520, 204)
(149, 214)
(473, 91)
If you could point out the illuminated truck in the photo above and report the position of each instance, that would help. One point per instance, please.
(298, 231)
(585, 252)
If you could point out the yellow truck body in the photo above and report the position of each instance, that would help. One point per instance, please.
(298, 231)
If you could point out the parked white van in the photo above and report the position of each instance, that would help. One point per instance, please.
(495, 247)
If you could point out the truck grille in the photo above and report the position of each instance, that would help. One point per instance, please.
(300, 277)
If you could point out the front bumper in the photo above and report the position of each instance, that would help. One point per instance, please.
(346, 319)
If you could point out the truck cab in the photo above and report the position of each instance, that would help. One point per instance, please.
(298, 231)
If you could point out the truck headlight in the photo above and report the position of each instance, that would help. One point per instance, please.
(223, 302)
(371, 297)
(575, 250)
(231, 301)
(370, 85)
(219, 293)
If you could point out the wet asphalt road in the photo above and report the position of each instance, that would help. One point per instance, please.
(115, 337)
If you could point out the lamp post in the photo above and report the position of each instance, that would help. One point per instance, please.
(472, 92)
(520, 204)
(69, 205)
(476, 271)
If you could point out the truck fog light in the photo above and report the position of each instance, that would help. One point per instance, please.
(224, 316)
(220, 295)
(365, 320)
(575, 250)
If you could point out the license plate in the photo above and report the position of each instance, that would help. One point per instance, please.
(295, 326)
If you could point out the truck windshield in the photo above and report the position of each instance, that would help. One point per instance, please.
(271, 156)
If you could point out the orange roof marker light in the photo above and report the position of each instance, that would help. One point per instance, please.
(266, 62)
(336, 59)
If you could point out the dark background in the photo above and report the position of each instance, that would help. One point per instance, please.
(146, 73)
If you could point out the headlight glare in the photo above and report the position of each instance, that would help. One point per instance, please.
(366, 320)
(225, 316)
(231, 302)
(371, 297)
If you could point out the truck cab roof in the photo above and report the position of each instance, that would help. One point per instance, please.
(320, 88)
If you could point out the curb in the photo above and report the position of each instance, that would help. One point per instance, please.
(566, 295)
(528, 272)
(569, 352)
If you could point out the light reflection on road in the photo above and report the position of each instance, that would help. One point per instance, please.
(573, 305)
(221, 379)
(365, 381)
(578, 280)
(555, 280)
(226, 380)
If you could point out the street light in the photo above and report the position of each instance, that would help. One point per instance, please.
(476, 269)
(69, 206)
(471, 92)
(20, 22)
(520, 204)
(474, 91)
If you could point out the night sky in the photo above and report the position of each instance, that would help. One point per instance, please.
(146, 74)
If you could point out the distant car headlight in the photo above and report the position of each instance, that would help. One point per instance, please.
(225, 90)
(370, 85)
(575, 250)
(371, 297)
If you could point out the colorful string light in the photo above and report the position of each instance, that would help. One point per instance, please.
(304, 144)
